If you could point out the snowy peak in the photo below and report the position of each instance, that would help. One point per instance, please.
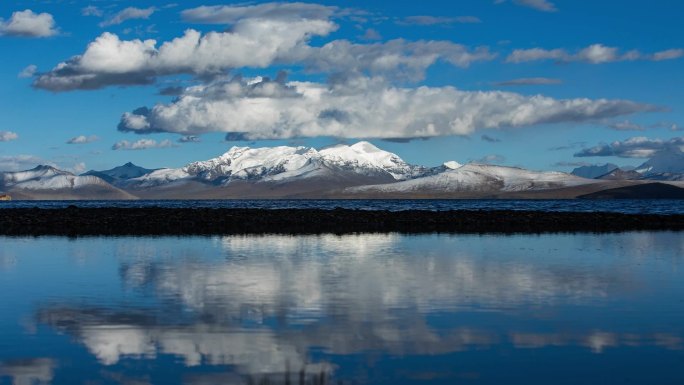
(365, 158)
(253, 163)
(48, 178)
(452, 165)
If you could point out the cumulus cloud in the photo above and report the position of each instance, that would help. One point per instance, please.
(593, 54)
(528, 82)
(129, 13)
(6, 136)
(28, 72)
(109, 60)
(260, 36)
(228, 14)
(637, 147)
(142, 144)
(437, 20)
(82, 139)
(540, 5)
(29, 24)
(261, 108)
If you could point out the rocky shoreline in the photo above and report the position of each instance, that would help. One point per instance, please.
(155, 221)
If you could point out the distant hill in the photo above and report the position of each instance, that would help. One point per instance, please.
(119, 175)
(640, 191)
(591, 172)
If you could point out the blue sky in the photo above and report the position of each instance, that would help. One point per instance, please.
(543, 84)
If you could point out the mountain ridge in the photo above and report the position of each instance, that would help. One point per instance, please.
(339, 171)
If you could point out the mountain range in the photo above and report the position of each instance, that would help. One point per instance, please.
(361, 170)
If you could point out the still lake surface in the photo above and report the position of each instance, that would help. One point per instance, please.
(353, 309)
(627, 206)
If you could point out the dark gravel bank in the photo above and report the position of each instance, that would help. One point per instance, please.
(163, 221)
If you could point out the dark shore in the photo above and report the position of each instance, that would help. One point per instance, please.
(74, 221)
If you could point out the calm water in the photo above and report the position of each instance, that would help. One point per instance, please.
(365, 309)
(622, 206)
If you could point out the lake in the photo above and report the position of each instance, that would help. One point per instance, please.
(625, 206)
(353, 309)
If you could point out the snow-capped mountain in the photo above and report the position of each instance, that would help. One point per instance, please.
(46, 180)
(120, 174)
(594, 171)
(666, 164)
(283, 163)
(475, 177)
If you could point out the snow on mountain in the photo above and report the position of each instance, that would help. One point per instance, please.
(670, 161)
(475, 177)
(452, 165)
(365, 158)
(594, 171)
(271, 164)
(48, 178)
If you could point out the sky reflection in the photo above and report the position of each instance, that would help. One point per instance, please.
(239, 309)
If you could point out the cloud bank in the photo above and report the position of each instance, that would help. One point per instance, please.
(593, 54)
(29, 24)
(261, 108)
(637, 147)
(142, 144)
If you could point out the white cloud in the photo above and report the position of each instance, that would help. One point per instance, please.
(357, 108)
(540, 5)
(228, 14)
(189, 139)
(255, 43)
(593, 54)
(111, 61)
(29, 24)
(28, 72)
(142, 144)
(91, 10)
(6, 136)
(667, 54)
(626, 125)
(82, 139)
(20, 162)
(528, 82)
(129, 13)
(637, 147)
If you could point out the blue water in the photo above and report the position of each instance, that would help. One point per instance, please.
(354, 309)
(619, 206)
